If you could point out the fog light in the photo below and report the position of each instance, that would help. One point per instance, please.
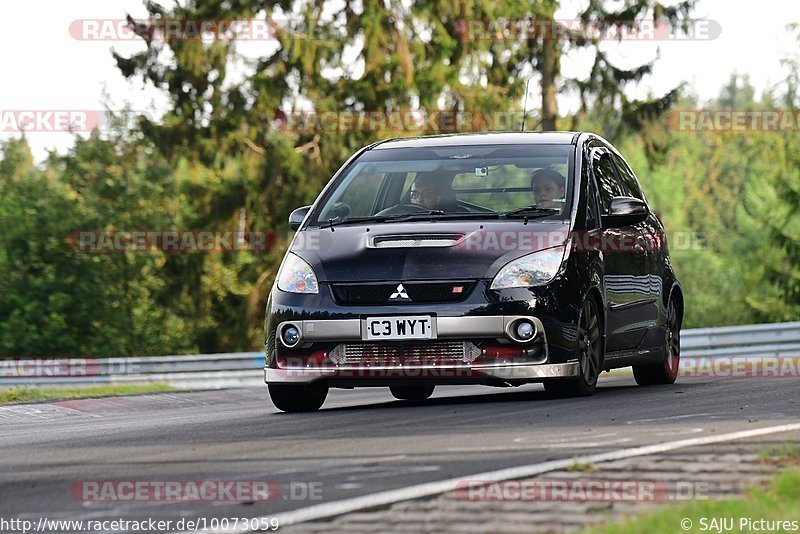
(525, 330)
(291, 335)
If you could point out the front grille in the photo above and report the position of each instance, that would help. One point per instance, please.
(416, 240)
(455, 291)
(430, 353)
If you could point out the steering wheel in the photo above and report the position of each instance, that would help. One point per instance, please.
(403, 209)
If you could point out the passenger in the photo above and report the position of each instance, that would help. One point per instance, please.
(547, 186)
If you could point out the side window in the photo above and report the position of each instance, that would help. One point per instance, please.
(628, 178)
(607, 181)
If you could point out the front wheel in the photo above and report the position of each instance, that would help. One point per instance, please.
(666, 372)
(411, 392)
(298, 398)
(590, 357)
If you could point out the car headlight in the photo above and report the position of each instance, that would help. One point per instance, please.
(297, 276)
(534, 269)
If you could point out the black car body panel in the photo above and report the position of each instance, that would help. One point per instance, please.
(346, 254)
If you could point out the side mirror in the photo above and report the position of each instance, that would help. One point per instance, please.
(625, 211)
(297, 217)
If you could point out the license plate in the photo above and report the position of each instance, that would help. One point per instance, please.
(406, 327)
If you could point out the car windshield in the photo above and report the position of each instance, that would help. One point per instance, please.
(451, 182)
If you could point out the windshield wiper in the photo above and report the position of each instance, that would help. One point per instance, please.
(531, 212)
(330, 223)
(439, 215)
(417, 215)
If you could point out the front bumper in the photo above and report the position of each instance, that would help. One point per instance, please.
(488, 326)
(382, 375)
(492, 329)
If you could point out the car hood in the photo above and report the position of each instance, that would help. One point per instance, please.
(426, 250)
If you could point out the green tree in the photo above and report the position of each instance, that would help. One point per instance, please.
(57, 300)
(771, 207)
(604, 87)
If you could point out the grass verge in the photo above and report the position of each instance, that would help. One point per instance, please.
(783, 454)
(579, 467)
(777, 503)
(17, 395)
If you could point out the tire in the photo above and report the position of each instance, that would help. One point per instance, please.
(590, 357)
(666, 372)
(417, 393)
(298, 398)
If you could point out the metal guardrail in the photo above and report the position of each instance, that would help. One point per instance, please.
(244, 368)
(741, 337)
(181, 371)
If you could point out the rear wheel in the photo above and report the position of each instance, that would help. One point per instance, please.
(298, 398)
(590, 357)
(411, 392)
(666, 372)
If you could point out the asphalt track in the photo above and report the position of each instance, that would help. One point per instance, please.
(361, 442)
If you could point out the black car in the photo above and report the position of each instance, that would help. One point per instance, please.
(496, 259)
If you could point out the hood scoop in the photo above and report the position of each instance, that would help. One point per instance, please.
(415, 240)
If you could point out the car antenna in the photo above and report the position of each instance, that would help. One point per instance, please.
(524, 116)
(525, 105)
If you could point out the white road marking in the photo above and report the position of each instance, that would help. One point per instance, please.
(385, 498)
(348, 486)
(567, 444)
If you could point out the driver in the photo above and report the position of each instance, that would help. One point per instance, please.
(433, 193)
(547, 186)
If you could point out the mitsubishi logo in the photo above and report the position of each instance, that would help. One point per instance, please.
(399, 293)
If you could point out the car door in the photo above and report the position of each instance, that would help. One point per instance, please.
(649, 234)
(626, 280)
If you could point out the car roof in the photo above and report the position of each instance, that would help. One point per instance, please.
(470, 139)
